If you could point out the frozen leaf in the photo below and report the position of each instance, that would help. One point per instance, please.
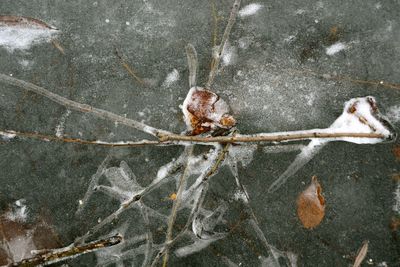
(311, 205)
(205, 111)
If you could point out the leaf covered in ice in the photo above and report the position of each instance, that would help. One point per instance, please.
(205, 111)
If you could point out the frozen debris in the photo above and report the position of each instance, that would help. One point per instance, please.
(94, 181)
(23, 32)
(240, 195)
(123, 183)
(360, 115)
(203, 226)
(282, 148)
(306, 154)
(292, 257)
(203, 111)
(60, 127)
(18, 237)
(335, 48)
(18, 212)
(250, 10)
(242, 154)
(311, 205)
(197, 246)
(171, 78)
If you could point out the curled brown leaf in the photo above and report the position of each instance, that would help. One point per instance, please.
(311, 205)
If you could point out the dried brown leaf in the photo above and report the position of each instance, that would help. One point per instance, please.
(311, 205)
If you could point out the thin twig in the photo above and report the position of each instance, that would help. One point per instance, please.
(56, 255)
(149, 237)
(202, 188)
(268, 137)
(128, 68)
(48, 138)
(177, 202)
(79, 106)
(225, 36)
(361, 254)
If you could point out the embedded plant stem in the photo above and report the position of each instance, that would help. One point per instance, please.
(47, 138)
(198, 201)
(192, 63)
(177, 202)
(174, 167)
(215, 23)
(129, 68)
(225, 36)
(149, 237)
(268, 137)
(51, 256)
(80, 107)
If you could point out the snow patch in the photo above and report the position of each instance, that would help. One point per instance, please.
(22, 38)
(335, 48)
(60, 127)
(171, 78)
(229, 56)
(7, 136)
(250, 10)
(396, 205)
(19, 211)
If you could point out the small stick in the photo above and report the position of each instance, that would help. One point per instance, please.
(129, 68)
(46, 257)
(268, 137)
(225, 36)
(202, 187)
(361, 254)
(104, 114)
(177, 202)
(48, 138)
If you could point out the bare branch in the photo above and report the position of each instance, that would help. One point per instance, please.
(48, 138)
(51, 256)
(225, 36)
(269, 137)
(81, 107)
(177, 202)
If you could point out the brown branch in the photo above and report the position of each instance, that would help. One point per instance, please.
(104, 114)
(48, 138)
(272, 137)
(129, 69)
(60, 254)
(177, 202)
